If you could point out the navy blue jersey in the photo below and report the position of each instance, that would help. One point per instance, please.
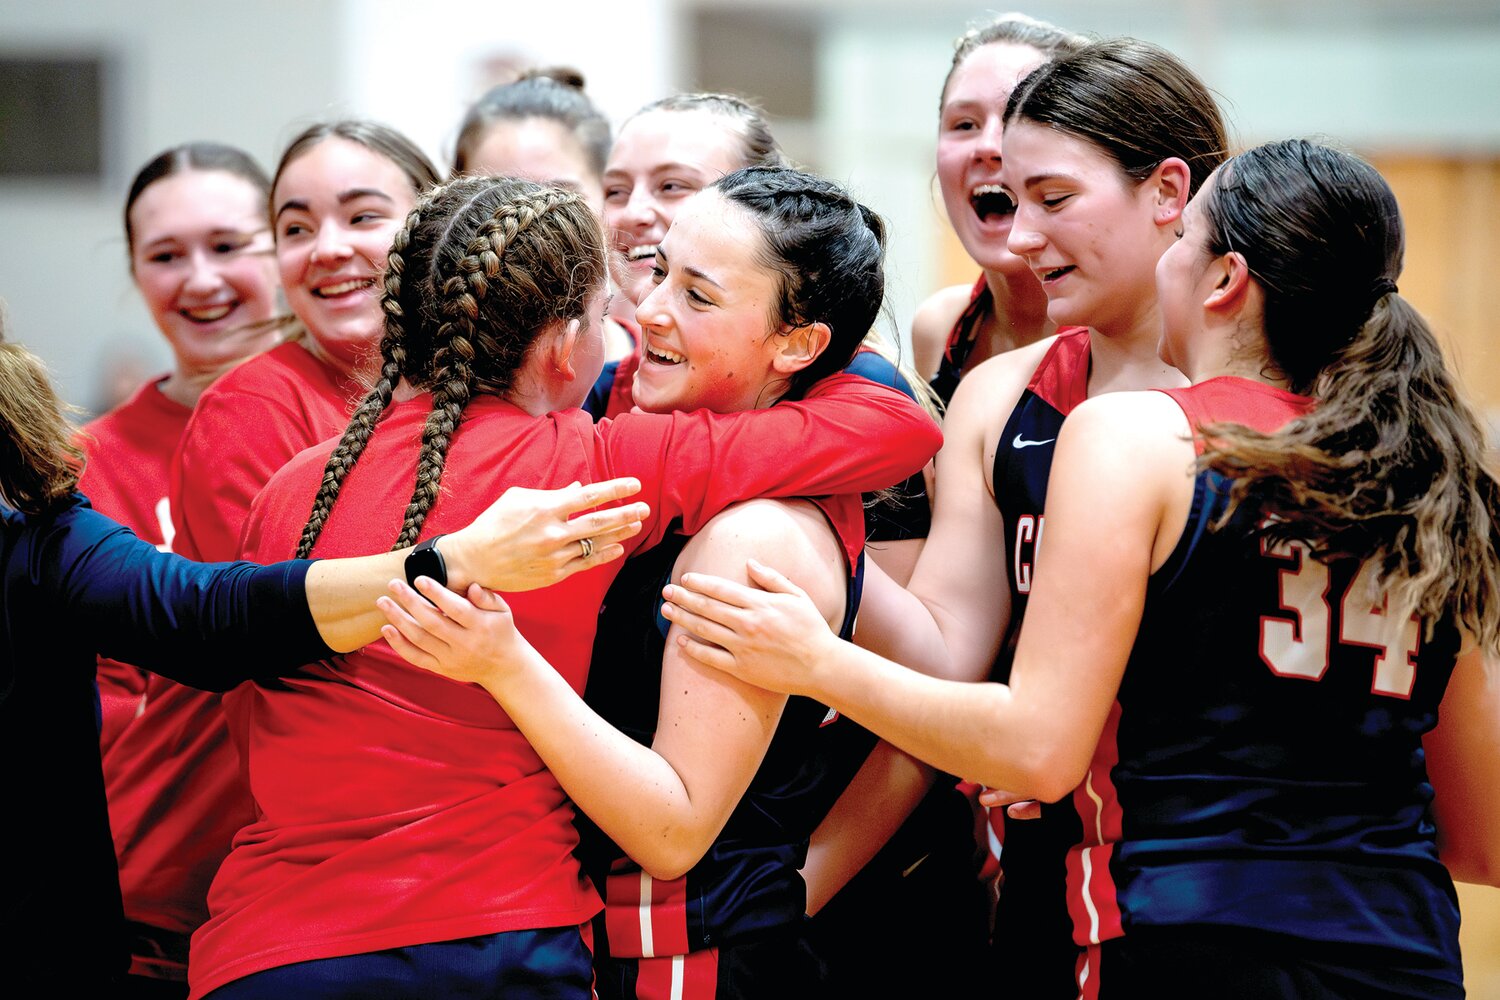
(1263, 764)
(748, 884)
(1033, 932)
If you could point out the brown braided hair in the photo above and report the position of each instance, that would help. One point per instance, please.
(482, 266)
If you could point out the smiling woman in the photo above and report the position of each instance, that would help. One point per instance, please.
(958, 327)
(338, 197)
(200, 254)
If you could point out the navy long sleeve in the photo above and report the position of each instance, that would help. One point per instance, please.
(76, 585)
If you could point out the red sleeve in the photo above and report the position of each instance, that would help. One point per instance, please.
(848, 435)
(233, 445)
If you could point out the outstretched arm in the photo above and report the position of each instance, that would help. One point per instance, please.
(525, 540)
(1035, 735)
(662, 804)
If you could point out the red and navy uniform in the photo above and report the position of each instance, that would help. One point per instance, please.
(1033, 933)
(681, 938)
(1260, 786)
(396, 807)
(961, 341)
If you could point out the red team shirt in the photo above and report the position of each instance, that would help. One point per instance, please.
(396, 807)
(247, 425)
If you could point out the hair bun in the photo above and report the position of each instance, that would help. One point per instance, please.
(565, 75)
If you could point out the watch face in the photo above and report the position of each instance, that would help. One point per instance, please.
(426, 560)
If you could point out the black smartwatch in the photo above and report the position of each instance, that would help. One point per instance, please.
(426, 560)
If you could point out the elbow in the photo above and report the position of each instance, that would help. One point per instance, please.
(1044, 773)
(671, 854)
(1478, 866)
(666, 863)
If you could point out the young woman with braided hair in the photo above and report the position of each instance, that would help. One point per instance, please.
(1282, 700)
(434, 853)
(700, 792)
(543, 127)
(77, 585)
(200, 255)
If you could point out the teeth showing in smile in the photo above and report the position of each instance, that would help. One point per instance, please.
(664, 357)
(641, 253)
(1053, 273)
(343, 287)
(208, 314)
(991, 200)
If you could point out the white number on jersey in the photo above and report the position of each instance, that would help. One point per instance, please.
(1299, 644)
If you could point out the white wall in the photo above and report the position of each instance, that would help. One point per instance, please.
(1380, 75)
(182, 71)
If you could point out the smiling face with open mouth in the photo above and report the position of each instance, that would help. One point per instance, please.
(708, 338)
(201, 257)
(659, 160)
(338, 206)
(968, 151)
(1088, 231)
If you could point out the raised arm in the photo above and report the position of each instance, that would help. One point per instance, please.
(663, 804)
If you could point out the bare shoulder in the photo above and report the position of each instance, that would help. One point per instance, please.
(985, 398)
(1140, 435)
(933, 322)
(791, 536)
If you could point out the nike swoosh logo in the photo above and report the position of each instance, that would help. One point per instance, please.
(1021, 442)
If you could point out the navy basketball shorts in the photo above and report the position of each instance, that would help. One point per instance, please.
(554, 963)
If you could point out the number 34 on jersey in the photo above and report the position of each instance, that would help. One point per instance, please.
(1300, 643)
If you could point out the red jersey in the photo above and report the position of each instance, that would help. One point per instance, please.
(245, 427)
(397, 807)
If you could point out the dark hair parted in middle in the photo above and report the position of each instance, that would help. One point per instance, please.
(555, 94)
(1135, 101)
(828, 250)
(482, 266)
(373, 136)
(194, 156)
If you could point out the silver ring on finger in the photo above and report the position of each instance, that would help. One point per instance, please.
(587, 544)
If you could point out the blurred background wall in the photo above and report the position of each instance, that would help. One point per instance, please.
(852, 88)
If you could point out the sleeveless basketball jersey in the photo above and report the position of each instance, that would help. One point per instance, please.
(1032, 924)
(1263, 765)
(961, 341)
(748, 884)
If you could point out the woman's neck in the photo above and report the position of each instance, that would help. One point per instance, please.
(1126, 358)
(1019, 316)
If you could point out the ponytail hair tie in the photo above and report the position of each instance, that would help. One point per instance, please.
(1383, 286)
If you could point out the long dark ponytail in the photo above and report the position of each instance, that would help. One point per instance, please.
(1390, 464)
